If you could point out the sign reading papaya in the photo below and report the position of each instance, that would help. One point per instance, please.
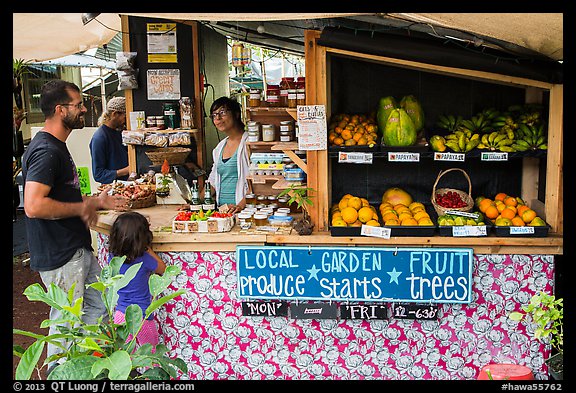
(429, 275)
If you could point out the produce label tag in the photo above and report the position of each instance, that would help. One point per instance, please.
(363, 311)
(462, 214)
(265, 309)
(448, 156)
(521, 230)
(355, 158)
(494, 156)
(469, 230)
(415, 311)
(381, 232)
(403, 157)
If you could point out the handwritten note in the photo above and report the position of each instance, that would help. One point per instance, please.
(163, 84)
(313, 130)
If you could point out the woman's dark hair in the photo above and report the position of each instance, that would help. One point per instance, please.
(130, 235)
(231, 105)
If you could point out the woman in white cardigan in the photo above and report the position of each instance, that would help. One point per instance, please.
(230, 157)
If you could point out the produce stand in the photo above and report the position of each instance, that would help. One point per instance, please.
(211, 329)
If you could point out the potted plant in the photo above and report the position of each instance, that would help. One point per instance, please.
(101, 350)
(300, 196)
(547, 313)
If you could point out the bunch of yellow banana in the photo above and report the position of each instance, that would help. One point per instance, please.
(462, 141)
(497, 141)
(530, 138)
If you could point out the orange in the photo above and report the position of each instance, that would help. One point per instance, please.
(365, 214)
(409, 222)
(349, 214)
(500, 206)
(522, 209)
(392, 222)
(401, 208)
(339, 223)
(373, 223)
(390, 216)
(517, 221)
(508, 213)
(343, 203)
(528, 215)
(500, 196)
(510, 201)
(356, 223)
(404, 216)
(491, 212)
(357, 135)
(338, 141)
(425, 221)
(365, 202)
(346, 134)
(355, 202)
(484, 203)
(350, 142)
(421, 214)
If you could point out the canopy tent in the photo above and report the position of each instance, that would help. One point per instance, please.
(47, 36)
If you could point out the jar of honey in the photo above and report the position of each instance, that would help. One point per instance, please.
(260, 219)
(285, 84)
(255, 98)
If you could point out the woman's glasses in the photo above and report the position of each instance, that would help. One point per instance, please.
(221, 113)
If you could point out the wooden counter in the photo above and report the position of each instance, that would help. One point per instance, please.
(164, 240)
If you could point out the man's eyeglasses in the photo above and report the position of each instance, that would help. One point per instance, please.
(79, 105)
(221, 113)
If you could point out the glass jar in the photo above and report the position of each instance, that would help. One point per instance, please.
(268, 133)
(260, 219)
(255, 98)
(261, 200)
(250, 199)
(285, 84)
(283, 203)
(272, 199)
(300, 96)
(285, 136)
(292, 98)
(244, 220)
(273, 95)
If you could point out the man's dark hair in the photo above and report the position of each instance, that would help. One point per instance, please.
(55, 92)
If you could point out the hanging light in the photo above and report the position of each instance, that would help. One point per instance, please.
(88, 17)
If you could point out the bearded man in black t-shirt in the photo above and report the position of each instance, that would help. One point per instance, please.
(59, 217)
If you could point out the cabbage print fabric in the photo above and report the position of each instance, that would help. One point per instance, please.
(205, 328)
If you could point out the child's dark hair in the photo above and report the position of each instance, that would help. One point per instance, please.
(130, 235)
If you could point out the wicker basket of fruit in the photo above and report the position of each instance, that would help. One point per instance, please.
(446, 199)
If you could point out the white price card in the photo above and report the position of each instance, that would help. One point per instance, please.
(355, 157)
(449, 156)
(494, 156)
(462, 214)
(468, 230)
(368, 230)
(403, 157)
(522, 230)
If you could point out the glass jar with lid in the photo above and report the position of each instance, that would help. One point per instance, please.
(285, 84)
(268, 132)
(273, 95)
(255, 98)
(292, 98)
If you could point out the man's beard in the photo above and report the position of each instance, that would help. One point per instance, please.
(74, 122)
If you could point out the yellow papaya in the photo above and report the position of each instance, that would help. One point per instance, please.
(438, 143)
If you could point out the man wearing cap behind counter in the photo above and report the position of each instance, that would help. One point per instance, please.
(109, 154)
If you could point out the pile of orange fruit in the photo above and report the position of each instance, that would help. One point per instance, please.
(351, 130)
(508, 210)
(354, 211)
(399, 214)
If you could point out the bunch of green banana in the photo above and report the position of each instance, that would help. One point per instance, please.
(530, 138)
(530, 118)
(453, 219)
(490, 113)
(462, 141)
(497, 141)
(477, 124)
(449, 122)
(505, 122)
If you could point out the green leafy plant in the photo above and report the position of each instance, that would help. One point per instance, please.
(105, 349)
(547, 313)
(301, 196)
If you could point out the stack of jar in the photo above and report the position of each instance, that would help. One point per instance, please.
(286, 131)
(254, 131)
(262, 210)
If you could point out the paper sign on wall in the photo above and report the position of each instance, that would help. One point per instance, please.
(163, 84)
(84, 179)
(312, 128)
(161, 42)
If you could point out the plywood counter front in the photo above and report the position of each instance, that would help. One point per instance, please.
(161, 217)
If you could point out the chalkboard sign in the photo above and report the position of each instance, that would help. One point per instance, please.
(417, 275)
(314, 311)
(363, 311)
(415, 311)
(265, 309)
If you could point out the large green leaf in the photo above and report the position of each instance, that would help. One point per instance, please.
(54, 297)
(133, 318)
(163, 300)
(75, 369)
(118, 365)
(29, 360)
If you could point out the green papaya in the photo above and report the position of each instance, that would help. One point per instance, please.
(399, 129)
(412, 106)
(385, 106)
(438, 143)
